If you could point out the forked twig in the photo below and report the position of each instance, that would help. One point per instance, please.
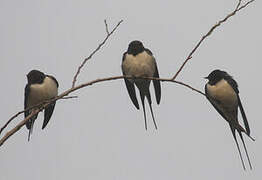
(97, 49)
(238, 8)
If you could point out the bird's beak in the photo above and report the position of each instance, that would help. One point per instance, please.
(205, 77)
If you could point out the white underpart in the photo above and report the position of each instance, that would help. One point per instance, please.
(225, 94)
(40, 92)
(141, 65)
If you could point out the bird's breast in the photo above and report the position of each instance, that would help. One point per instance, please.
(140, 65)
(40, 92)
(223, 92)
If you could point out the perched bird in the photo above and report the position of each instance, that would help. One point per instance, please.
(222, 92)
(140, 62)
(40, 87)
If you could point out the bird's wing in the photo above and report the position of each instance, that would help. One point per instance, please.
(49, 110)
(232, 82)
(243, 115)
(234, 85)
(156, 83)
(149, 52)
(48, 113)
(130, 88)
(52, 77)
(157, 86)
(26, 113)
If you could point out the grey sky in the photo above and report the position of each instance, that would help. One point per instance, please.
(101, 135)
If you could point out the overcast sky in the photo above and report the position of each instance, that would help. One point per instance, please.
(101, 135)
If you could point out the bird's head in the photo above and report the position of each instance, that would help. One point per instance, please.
(135, 47)
(35, 77)
(216, 76)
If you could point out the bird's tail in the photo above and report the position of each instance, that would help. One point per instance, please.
(241, 137)
(233, 130)
(31, 129)
(30, 125)
(241, 129)
(152, 115)
(148, 96)
(142, 96)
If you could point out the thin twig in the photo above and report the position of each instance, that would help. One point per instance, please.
(69, 97)
(99, 46)
(107, 31)
(238, 4)
(243, 6)
(238, 8)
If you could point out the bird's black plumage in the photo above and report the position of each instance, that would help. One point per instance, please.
(222, 92)
(139, 62)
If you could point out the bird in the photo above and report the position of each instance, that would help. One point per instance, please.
(139, 61)
(40, 87)
(222, 92)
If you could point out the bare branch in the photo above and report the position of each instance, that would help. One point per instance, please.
(17, 114)
(27, 109)
(238, 8)
(99, 46)
(13, 117)
(62, 96)
(17, 127)
(174, 81)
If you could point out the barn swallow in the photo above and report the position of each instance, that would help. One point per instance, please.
(40, 87)
(222, 92)
(140, 62)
